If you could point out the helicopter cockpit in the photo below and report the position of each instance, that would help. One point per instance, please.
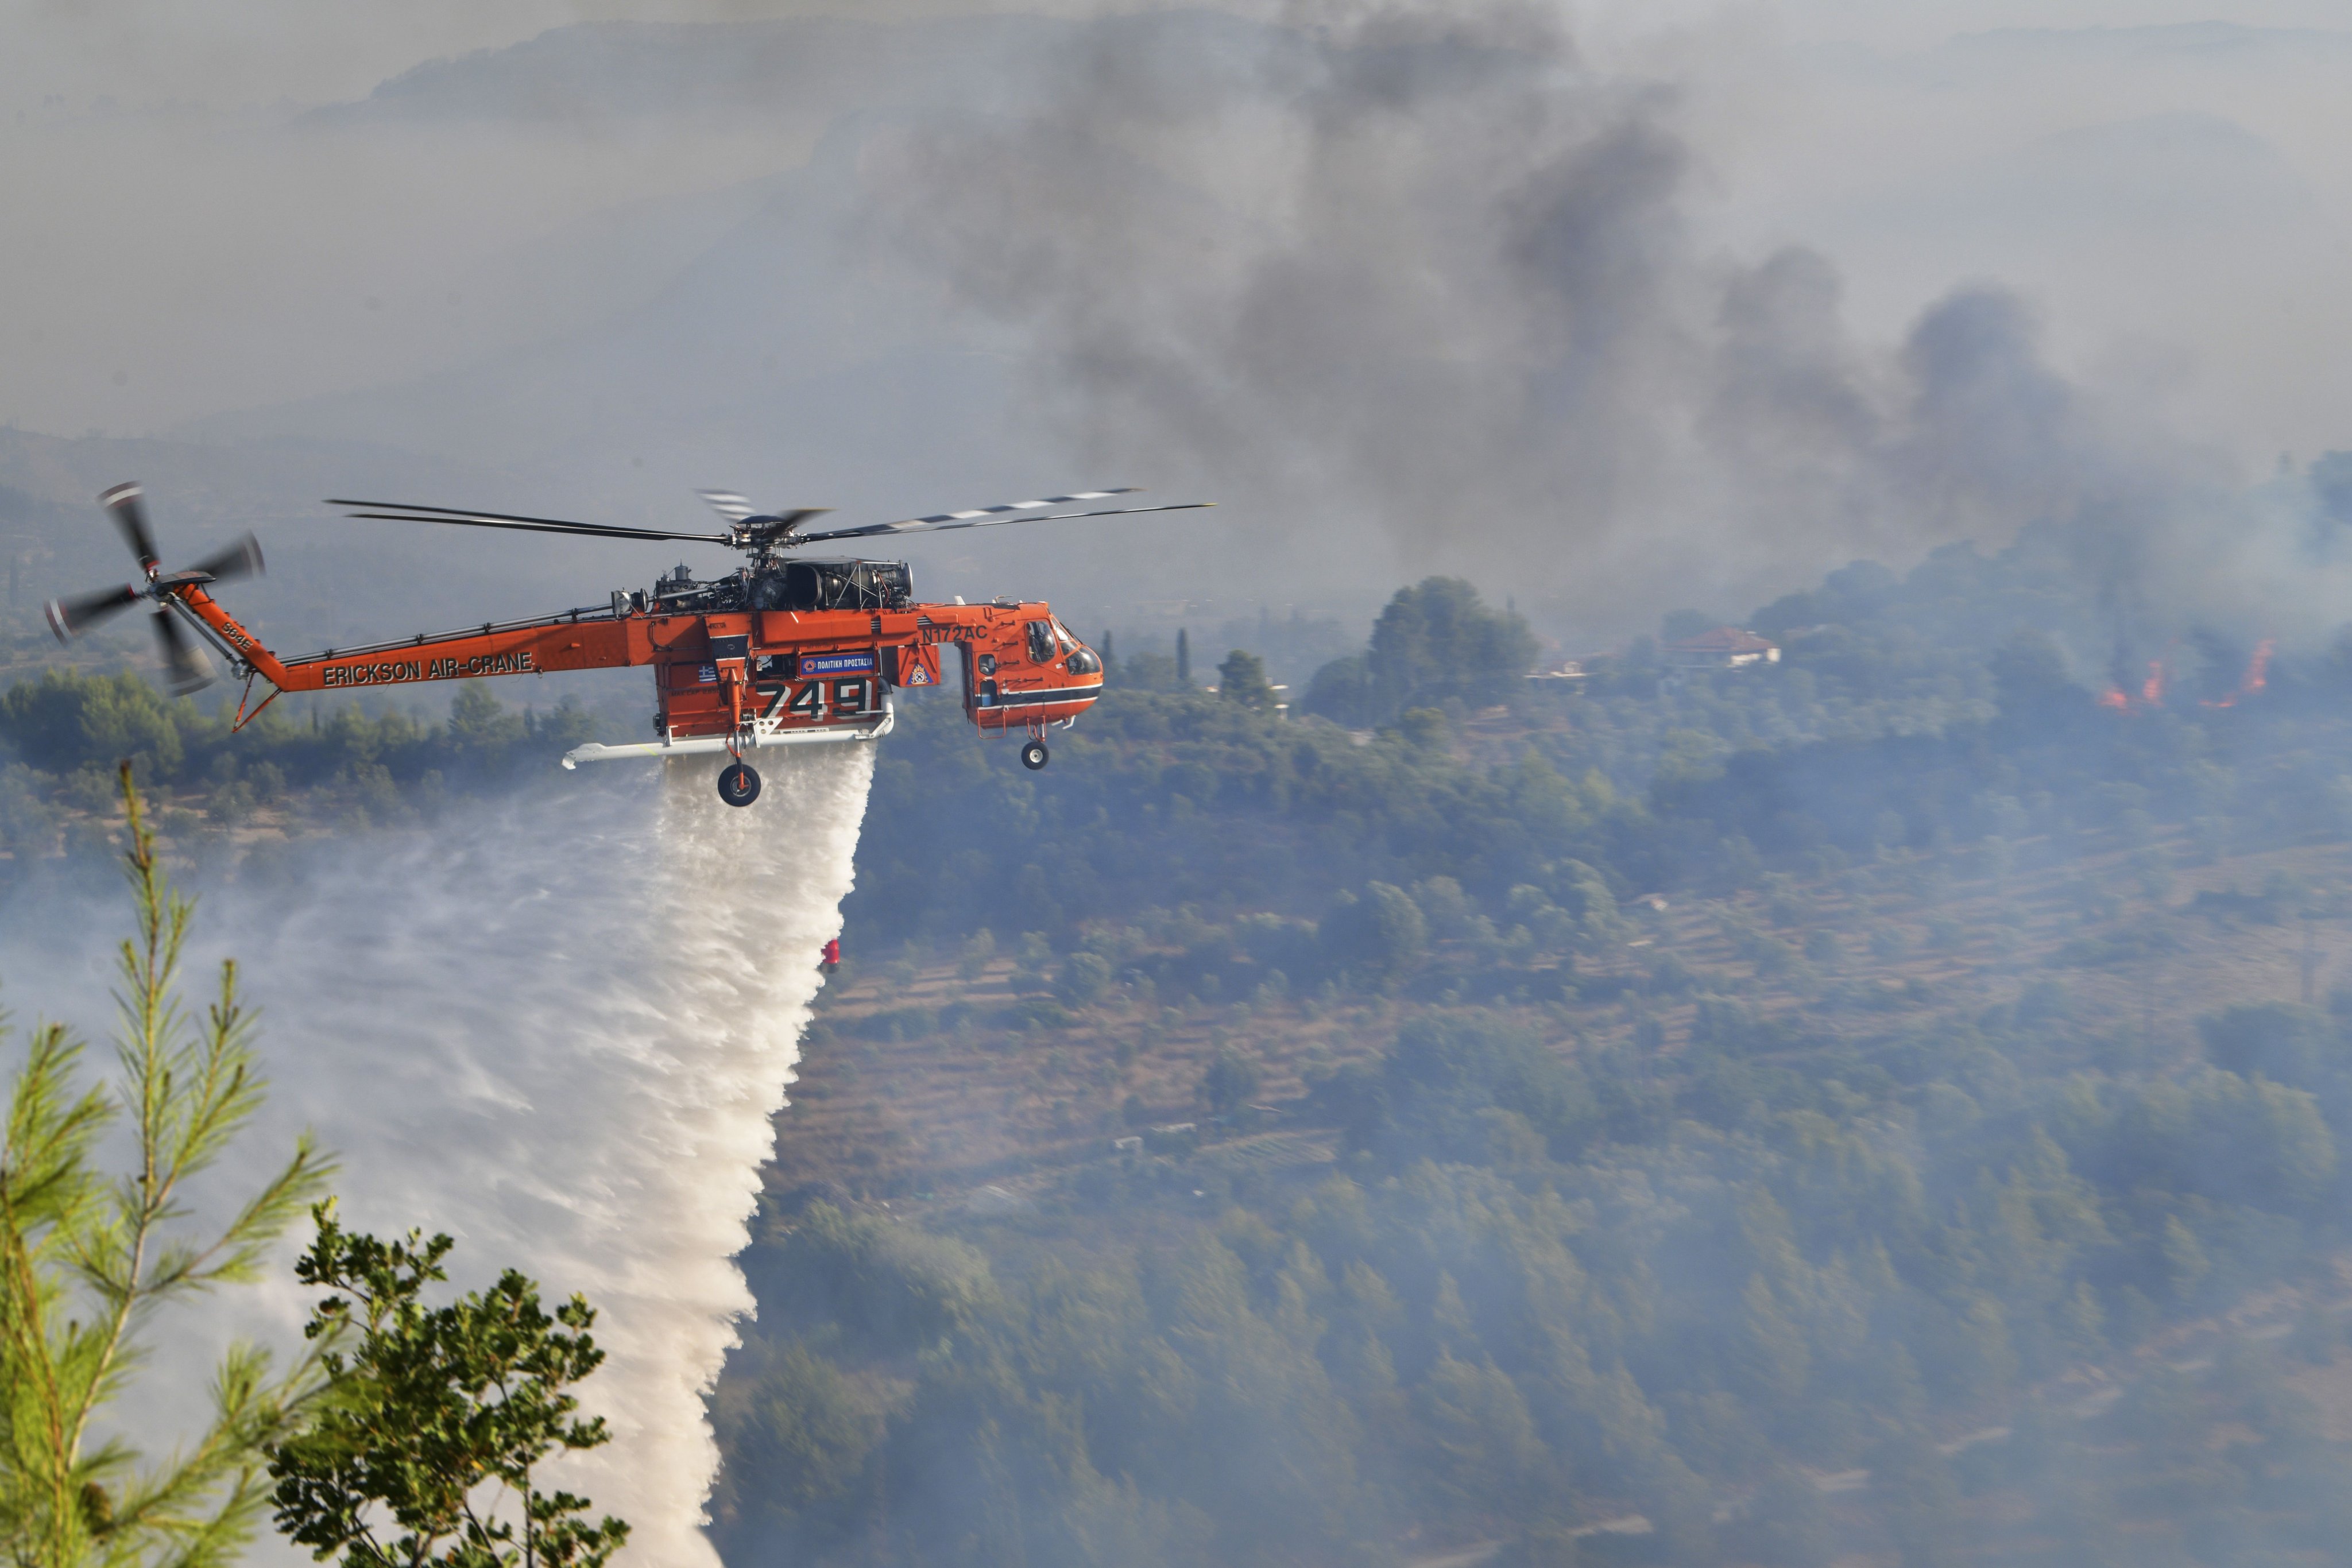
(1048, 640)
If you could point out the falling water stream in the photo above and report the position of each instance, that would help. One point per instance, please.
(557, 1028)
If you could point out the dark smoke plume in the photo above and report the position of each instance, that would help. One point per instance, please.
(1426, 268)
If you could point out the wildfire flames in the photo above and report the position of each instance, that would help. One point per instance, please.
(2256, 677)
(2151, 691)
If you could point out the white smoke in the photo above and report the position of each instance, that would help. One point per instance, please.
(558, 1029)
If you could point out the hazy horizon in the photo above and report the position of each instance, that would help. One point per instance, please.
(530, 260)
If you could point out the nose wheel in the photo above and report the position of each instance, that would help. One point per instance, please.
(738, 783)
(1033, 755)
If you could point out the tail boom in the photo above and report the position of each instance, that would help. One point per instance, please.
(573, 642)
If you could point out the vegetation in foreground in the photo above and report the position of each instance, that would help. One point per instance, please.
(427, 1420)
(89, 1259)
(427, 1447)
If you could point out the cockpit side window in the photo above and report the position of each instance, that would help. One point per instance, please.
(1063, 633)
(1041, 642)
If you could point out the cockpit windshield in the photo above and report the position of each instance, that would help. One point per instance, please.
(1082, 660)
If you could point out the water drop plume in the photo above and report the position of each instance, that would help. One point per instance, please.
(557, 1029)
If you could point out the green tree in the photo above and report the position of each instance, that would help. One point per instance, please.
(1085, 978)
(86, 1262)
(66, 720)
(795, 1432)
(1148, 673)
(1242, 679)
(894, 1290)
(1440, 639)
(482, 732)
(1383, 931)
(1425, 727)
(979, 952)
(1229, 1082)
(1345, 692)
(1484, 1455)
(436, 1417)
(1435, 640)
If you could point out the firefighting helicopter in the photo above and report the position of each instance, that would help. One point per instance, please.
(785, 650)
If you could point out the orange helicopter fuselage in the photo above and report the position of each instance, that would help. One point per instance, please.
(775, 674)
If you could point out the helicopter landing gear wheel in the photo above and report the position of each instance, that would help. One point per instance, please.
(1033, 755)
(739, 784)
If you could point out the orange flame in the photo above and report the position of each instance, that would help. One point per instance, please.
(2116, 700)
(2258, 669)
(2256, 677)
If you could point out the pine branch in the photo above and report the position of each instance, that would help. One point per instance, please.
(85, 1263)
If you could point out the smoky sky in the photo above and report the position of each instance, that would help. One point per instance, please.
(1612, 313)
(1424, 268)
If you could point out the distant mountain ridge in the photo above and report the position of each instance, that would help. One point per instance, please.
(608, 68)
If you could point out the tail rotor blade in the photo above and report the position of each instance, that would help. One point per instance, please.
(128, 505)
(70, 618)
(185, 672)
(242, 559)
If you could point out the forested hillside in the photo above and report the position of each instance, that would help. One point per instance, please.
(1861, 1105)
(284, 777)
(1887, 1102)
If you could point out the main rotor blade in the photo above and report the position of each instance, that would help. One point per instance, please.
(126, 502)
(943, 518)
(786, 522)
(773, 526)
(398, 512)
(185, 672)
(988, 519)
(71, 617)
(242, 559)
